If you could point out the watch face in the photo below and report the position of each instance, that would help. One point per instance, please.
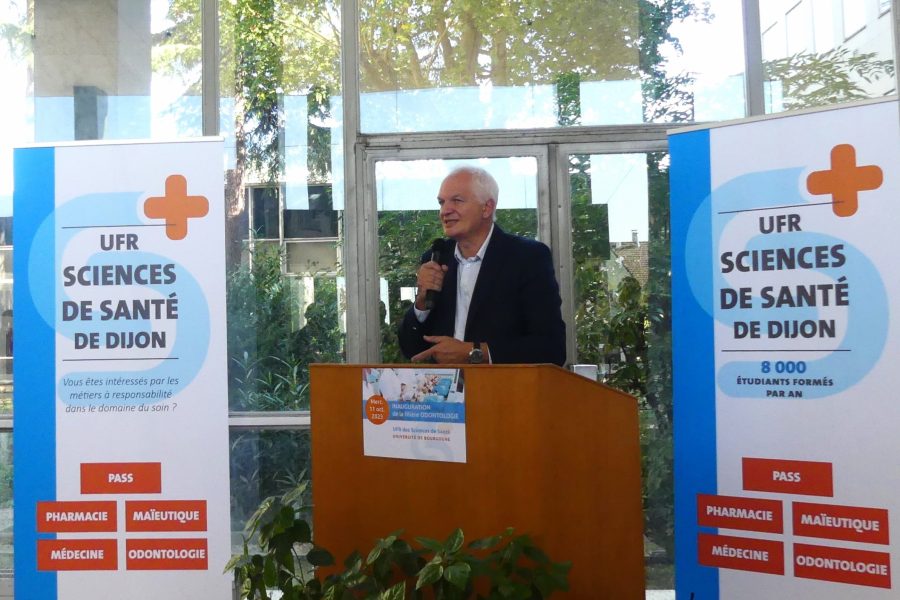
(476, 356)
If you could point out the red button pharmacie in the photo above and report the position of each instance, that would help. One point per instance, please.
(843, 565)
(121, 478)
(834, 522)
(166, 555)
(165, 515)
(734, 512)
(77, 555)
(76, 517)
(740, 553)
(802, 477)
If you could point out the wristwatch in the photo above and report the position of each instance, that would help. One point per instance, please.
(476, 355)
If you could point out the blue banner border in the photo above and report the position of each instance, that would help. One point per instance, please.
(34, 368)
(693, 358)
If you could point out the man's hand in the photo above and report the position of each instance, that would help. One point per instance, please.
(429, 277)
(446, 350)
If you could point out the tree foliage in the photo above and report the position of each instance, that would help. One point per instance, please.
(808, 80)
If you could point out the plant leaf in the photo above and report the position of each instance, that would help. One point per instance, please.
(433, 545)
(374, 554)
(428, 575)
(270, 572)
(535, 554)
(454, 541)
(319, 557)
(458, 575)
(396, 592)
(485, 543)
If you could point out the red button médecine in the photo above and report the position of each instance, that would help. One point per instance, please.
(742, 554)
(77, 555)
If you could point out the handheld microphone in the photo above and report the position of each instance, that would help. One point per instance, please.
(440, 255)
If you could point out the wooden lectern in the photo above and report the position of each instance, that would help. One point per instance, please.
(550, 453)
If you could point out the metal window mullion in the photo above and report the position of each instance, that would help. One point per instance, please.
(281, 244)
(354, 238)
(370, 277)
(209, 70)
(754, 84)
(560, 193)
(271, 420)
(516, 137)
(544, 208)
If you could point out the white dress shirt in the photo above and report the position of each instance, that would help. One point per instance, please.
(466, 277)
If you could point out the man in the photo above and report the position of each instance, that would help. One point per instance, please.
(497, 296)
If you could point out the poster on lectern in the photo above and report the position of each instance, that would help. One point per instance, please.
(786, 339)
(121, 483)
(414, 413)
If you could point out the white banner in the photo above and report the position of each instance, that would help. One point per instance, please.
(121, 434)
(786, 340)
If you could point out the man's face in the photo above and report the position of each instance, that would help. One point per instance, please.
(463, 216)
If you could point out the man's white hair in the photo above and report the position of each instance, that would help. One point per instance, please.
(485, 185)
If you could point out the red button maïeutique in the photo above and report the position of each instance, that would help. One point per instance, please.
(843, 565)
(834, 522)
(77, 555)
(743, 554)
(76, 517)
(121, 478)
(165, 515)
(734, 512)
(788, 476)
(166, 555)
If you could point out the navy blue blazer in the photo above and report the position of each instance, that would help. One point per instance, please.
(515, 306)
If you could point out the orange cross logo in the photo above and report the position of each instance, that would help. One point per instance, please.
(176, 207)
(844, 180)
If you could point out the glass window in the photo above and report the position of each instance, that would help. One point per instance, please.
(408, 222)
(317, 221)
(264, 463)
(799, 28)
(823, 73)
(128, 83)
(824, 25)
(279, 78)
(773, 41)
(265, 217)
(6, 513)
(621, 262)
(6, 330)
(458, 65)
(854, 13)
(705, 78)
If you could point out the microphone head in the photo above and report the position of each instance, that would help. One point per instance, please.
(439, 252)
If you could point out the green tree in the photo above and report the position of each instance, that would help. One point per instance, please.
(809, 80)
